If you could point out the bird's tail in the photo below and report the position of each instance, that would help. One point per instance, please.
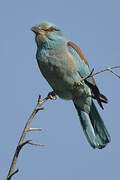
(93, 127)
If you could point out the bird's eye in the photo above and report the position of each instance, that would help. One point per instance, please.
(51, 29)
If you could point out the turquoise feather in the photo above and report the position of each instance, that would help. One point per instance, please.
(63, 65)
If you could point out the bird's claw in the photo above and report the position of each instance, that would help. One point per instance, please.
(52, 95)
(78, 84)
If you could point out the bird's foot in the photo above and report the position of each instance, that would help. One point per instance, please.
(78, 84)
(52, 95)
(81, 83)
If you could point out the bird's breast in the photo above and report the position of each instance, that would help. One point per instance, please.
(60, 71)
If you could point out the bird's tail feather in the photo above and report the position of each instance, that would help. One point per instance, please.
(102, 98)
(93, 127)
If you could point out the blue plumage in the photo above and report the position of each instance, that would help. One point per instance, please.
(63, 65)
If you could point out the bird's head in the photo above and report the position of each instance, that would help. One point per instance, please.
(46, 32)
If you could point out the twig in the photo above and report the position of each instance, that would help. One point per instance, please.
(26, 129)
(91, 74)
(108, 69)
(20, 146)
(37, 108)
(34, 129)
(35, 144)
(10, 176)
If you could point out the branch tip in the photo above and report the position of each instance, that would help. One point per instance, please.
(34, 129)
(35, 144)
(39, 98)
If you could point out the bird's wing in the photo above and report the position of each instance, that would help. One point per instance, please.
(82, 63)
(84, 70)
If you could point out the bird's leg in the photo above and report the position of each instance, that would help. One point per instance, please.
(83, 79)
(52, 95)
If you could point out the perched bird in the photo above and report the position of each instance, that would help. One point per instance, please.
(63, 65)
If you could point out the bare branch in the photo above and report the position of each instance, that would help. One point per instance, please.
(9, 177)
(26, 129)
(19, 147)
(38, 107)
(35, 144)
(89, 75)
(34, 129)
(108, 69)
(93, 74)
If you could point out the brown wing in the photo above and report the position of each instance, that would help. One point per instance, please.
(94, 89)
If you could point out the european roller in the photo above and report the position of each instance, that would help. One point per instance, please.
(63, 65)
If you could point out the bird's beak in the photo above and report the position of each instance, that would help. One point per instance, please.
(36, 30)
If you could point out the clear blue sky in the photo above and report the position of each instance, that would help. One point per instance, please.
(94, 26)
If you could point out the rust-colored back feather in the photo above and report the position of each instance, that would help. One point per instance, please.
(95, 91)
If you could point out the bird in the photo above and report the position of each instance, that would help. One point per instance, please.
(64, 66)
